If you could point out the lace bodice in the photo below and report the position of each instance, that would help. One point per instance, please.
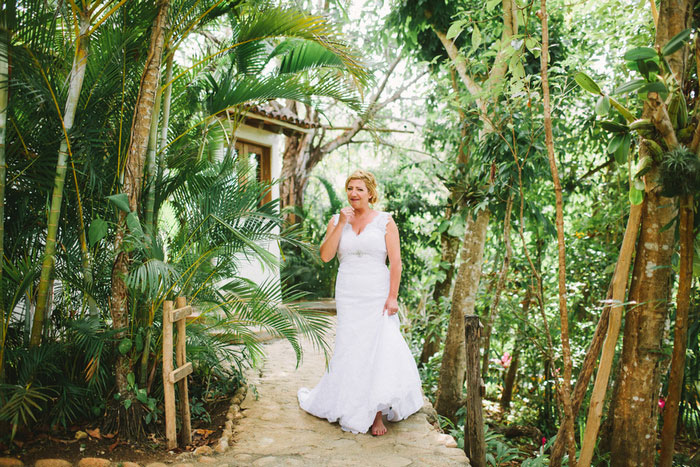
(369, 245)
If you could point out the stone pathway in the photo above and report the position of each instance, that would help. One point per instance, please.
(276, 432)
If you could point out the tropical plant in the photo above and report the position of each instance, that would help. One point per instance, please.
(106, 247)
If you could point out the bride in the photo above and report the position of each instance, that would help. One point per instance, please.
(372, 372)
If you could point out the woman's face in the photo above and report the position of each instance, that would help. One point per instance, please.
(358, 194)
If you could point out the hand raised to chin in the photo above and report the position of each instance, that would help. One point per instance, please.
(347, 214)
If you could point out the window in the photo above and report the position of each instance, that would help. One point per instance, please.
(259, 157)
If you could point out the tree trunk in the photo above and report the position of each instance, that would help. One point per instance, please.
(635, 403)
(294, 173)
(635, 406)
(133, 177)
(493, 310)
(76, 83)
(595, 409)
(680, 340)
(449, 393)
(450, 246)
(589, 361)
(469, 273)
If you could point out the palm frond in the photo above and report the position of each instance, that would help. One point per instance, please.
(298, 55)
(151, 277)
(281, 22)
(21, 403)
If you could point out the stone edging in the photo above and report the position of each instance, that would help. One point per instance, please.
(222, 445)
(234, 413)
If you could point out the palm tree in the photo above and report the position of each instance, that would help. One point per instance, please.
(82, 21)
(103, 132)
(240, 87)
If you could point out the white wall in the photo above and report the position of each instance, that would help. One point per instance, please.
(253, 270)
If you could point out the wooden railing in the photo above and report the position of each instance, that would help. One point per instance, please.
(176, 375)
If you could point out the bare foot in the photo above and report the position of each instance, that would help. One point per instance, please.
(378, 428)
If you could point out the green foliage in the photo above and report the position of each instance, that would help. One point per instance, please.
(58, 382)
(209, 221)
(680, 172)
(587, 83)
(498, 453)
(414, 20)
(303, 270)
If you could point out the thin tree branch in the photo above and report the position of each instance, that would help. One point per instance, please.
(460, 65)
(565, 387)
(595, 170)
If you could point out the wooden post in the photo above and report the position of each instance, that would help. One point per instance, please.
(474, 442)
(168, 388)
(181, 355)
(177, 375)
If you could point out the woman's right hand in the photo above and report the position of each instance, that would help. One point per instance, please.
(347, 215)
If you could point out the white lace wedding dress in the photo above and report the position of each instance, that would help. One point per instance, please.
(372, 368)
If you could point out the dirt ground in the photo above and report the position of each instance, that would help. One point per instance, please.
(44, 443)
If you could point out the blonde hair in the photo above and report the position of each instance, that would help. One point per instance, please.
(369, 180)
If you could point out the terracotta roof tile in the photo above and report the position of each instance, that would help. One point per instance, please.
(276, 111)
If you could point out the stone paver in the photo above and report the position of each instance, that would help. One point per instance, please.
(52, 463)
(276, 432)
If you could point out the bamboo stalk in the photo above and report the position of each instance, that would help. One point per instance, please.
(76, 84)
(167, 93)
(151, 165)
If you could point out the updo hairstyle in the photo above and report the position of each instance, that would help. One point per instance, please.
(369, 180)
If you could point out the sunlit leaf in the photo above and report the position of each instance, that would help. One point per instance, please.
(455, 29)
(587, 83)
(602, 106)
(640, 53)
(476, 37)
(636, 196)
(676, 42)
(629, 86)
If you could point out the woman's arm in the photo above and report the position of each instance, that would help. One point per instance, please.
(329, 246)
(393, 249)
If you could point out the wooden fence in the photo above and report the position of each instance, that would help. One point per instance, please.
(177, 375)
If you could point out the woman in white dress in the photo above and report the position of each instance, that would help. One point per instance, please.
(372, 372)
